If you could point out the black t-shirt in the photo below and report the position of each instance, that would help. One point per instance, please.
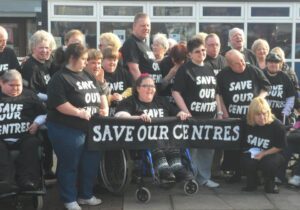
(238, 89)
(197, 85)
(265, 137)
(78, 88)
(8, 60)
(17, 113)
(281, 88)
(159, 107)
(165, 66)
(217, 64)
(137, 51)
(36, 74)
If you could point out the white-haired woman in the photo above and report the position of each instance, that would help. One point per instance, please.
(160, 46)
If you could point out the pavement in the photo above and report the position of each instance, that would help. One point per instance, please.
(226, 197)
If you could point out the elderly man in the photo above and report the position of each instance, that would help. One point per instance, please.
(238, 84)
(213, 57)
(236, 38)
(137, 55)
(8, 58)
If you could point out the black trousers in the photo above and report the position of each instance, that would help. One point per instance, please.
(27, 164)
(268, 165)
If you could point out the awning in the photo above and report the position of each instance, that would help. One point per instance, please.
(20, 8)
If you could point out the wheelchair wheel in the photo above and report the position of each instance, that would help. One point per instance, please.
(143, 195)
(191, 187)
(38, 202)
(115, 170)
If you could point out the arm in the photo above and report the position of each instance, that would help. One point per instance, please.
(166, 80)
(68, 109)
(180, 102)
(270, 151)
(289, 105)
(38, 121)
(263, 93)
(124, 114)
(103, 106)
(223, 107)
(134, 70)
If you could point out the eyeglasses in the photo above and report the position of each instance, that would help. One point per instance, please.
(148, 86)
(199, 51)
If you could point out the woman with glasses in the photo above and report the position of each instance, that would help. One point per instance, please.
(145, 105)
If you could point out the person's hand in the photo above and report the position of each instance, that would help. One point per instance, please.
(183, 115)
(103, 112)
(83, 114)
(145, 118)
(100, 75)
(116, 97)
(259, 156)
(33, 128)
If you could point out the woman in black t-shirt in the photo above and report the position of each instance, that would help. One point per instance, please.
(73, 97)
(144, 105)
(265, 138)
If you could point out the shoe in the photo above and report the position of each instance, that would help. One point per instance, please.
(93, 201)
(28, 186)
(211, 184)
(183, 174)
(295, 181)
(271, 187)
(72, 206)
(167, 175)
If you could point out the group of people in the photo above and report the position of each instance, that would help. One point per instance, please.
(57, 91)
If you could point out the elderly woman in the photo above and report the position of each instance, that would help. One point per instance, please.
(144, 105)
(160, 46)
(73, 97)
(281, 96)
(265, 138)
(261, 48)
(20, 113)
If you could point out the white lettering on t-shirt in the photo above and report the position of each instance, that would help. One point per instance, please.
(154, 112)
(4, 67)
(85, 85)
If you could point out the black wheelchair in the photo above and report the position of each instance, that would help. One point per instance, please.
(36, 195)
(117, 167)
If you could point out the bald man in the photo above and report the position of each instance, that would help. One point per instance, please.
(8, 58)
(237, 85)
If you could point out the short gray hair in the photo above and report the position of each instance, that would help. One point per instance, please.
(40, 36)
(260, 42)
(11, 75)
(235, 30)
(162, 40)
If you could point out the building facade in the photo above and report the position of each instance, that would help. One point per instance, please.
(276, 21)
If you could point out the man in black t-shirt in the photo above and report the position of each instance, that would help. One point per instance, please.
(238, 84)
(137, 55)
(8, 58)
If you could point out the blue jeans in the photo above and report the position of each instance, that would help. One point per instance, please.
(76, 166)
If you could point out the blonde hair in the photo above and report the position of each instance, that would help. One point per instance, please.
(201, 35)
(110, 40)
(259, 105)
(94, 54)
(260, 42)
(162, 40)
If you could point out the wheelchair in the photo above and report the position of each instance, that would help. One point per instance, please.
(117, 166)
(37, 195)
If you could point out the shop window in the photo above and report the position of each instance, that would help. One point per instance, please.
(297, 69)
(73, 10)
(121, 10)
(59, 29)
(222, 11)
(270, 11)
(277, 34)
(172, 11)
(177, 31)
(121, 29)
(297, 44)
(221, 29)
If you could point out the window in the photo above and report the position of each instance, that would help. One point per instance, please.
(270, 11)
(222, 11)
(172, 11)
(122, 29)
(121, 10)
(277, 34)
(178, 31)
(297, 44)
(59, 29)
(73, 10)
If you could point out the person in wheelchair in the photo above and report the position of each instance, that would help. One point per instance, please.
(21, 114)
(144, 104)
(265, 137)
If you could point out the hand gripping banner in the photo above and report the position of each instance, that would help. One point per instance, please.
(119, 133)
